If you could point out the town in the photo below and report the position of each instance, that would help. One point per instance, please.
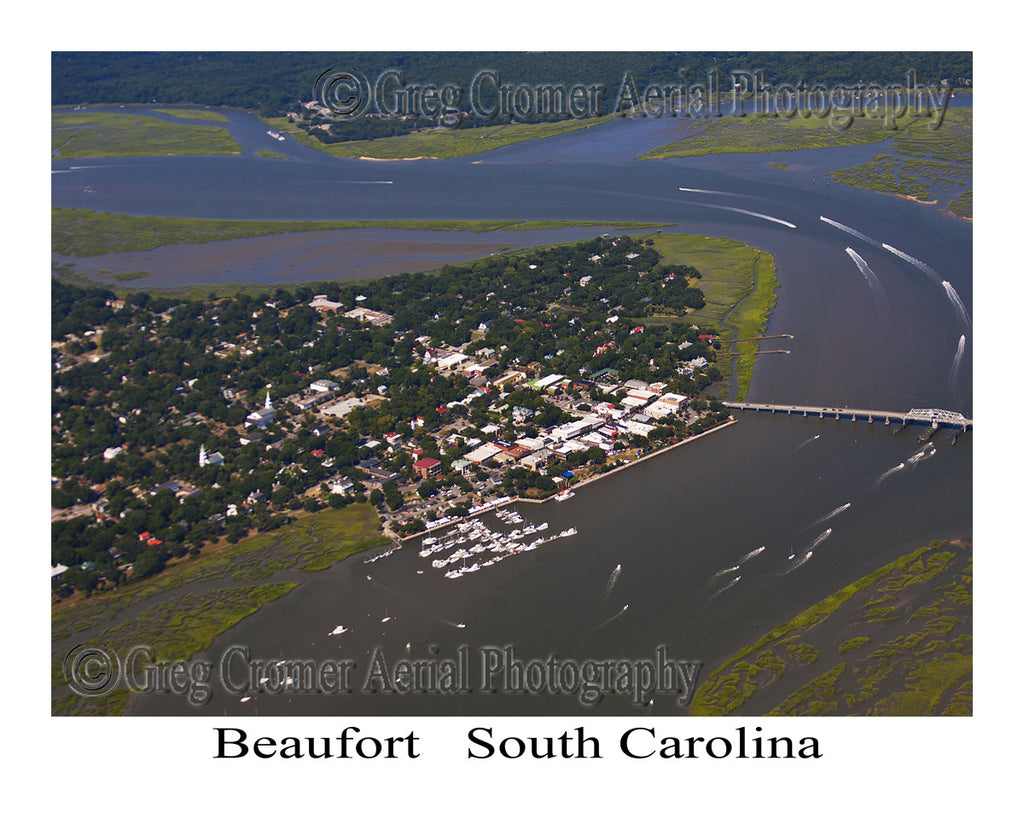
(180, 422)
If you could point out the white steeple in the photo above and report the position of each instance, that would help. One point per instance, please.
(203, 460)
(267, 403)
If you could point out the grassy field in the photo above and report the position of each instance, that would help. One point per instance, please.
(193, 113)
(750, 134)
(89, 233)
(186, 621)
(437, 143)
(739, 285)
(896, 642)
(75, 134)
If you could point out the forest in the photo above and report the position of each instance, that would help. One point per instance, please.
(274, 82)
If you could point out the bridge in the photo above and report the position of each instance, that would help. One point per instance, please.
(934, 417)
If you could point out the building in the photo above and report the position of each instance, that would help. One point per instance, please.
(321, 302)
(427, 467)
(341, 486)
(374, 317)
(209, 459)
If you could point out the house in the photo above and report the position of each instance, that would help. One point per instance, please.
(427, 467)
(324, 385)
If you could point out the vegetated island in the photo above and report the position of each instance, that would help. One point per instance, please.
(438, 142)
(896, 642)
(77, 232)
(928, 166)
(77, 134)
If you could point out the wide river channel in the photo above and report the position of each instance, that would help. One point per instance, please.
(690, 550)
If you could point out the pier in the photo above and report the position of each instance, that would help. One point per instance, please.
(934, 417)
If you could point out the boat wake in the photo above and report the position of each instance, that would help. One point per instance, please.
(726, 587)
(753, 213)
(611, 581)
(820, 539)
(721, 572)
(888, 473)
(750, 554)
(961, 311)
(916, 262)
(714, 193)
(837, 511)
(881, 303)
(613, 617)
(850, 230)
(958, 358)
(799, 561)
(810, 440)
(926, 453)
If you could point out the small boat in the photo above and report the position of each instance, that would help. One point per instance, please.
(339, 630)
(564, 495)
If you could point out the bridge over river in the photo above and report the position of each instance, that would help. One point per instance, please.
(934, 417)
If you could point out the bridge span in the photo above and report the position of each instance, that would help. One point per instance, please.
(934, 417)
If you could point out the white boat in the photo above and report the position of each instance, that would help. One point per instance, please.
(564, 495)
(339, 630)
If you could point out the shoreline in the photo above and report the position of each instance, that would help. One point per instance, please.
(401, 540)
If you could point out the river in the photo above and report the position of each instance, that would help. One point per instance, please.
(885, 337)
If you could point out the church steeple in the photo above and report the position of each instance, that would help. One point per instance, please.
(267, 402)
(203, 460)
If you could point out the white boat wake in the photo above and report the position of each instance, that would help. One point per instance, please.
(714, 193)
(838, 510)
(751, 554)
(719, 573)
(611, 581)
(888, 473)
(954, 371)
(820, 539)
(747, 213)
(613, 617)
(959, 305)
(851, 231)
(800, 561)
(873, 283)
(926, 453)
(727, 586)
(916, 262)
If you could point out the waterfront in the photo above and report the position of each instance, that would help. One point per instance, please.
(671, 522)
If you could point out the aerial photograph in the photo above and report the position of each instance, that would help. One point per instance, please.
(512, 384)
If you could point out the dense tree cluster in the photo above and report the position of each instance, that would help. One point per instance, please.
(274, 82)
